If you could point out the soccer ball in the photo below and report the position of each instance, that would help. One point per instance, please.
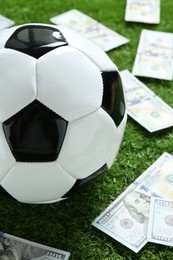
(62, 112)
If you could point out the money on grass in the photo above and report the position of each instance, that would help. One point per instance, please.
(154, 56)
(147, 11)
(12, 247)
(126, 218)
(144, 106)
(160, 227)
(5, 22)
(102, 36)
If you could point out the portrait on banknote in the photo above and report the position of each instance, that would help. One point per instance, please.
(138, 205)
(15, 248)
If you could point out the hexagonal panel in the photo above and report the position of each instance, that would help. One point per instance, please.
(91, 50)
(37, 182)
(69, 83)
(35, 134)
(35, 39)
(17, 82)
(88, 144)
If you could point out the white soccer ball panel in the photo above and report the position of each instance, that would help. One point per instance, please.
(120, 134)
(87, 144)
(5, 35)
(69, 83)
(6, 158)
(18, 85)
(95, 53)
(37, 182)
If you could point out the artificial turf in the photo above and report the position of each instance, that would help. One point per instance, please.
(67, 225)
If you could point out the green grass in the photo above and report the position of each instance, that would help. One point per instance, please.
(67, 225)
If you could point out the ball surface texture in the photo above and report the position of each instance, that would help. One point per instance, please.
(62, 112)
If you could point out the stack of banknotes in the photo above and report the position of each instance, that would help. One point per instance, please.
(144, 211)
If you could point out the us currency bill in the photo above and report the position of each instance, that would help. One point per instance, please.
(147, 11)
(154, 55)
(102, 36)
(126, 218)
(144, 106)
(5, 22)
(12, 247)
(160, 227)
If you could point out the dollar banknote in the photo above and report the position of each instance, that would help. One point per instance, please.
(102, 36)
(13, 248)
(147, 11)
(144, 106)
(5, 22)
(126, 218)
(154, 55)
(160, 227)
